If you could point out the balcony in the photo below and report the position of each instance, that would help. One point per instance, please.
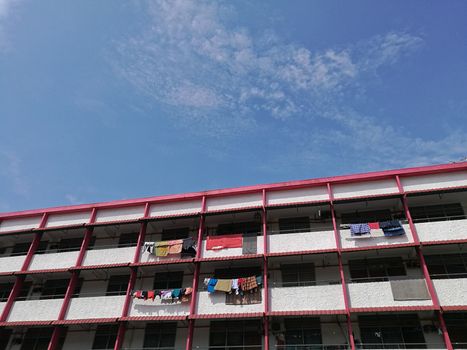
(229, 252)
(35, 310)
(103, 255)
(215, 303)
(11, 263)
(450, 228)
(304, 240)
(379, 294)
(317, 297)
(95, 307)
(54, 260)
(452, 291)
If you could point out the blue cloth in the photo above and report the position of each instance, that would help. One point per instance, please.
(359, 229)
(392, 228)
(211, 284)
(259, 280)
(176, 293)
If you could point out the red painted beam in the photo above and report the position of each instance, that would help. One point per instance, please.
(264, 219)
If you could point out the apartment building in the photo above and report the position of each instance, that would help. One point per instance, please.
(366, 261)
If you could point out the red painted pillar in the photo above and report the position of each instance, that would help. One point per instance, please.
(20, 278)
(131, 283)
(265, 272)
(341, 268)
(191, 321)
(426, 273)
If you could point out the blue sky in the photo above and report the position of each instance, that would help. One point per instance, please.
(103, 100)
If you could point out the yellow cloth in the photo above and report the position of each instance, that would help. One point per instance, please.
(161, 249)
(223, 285)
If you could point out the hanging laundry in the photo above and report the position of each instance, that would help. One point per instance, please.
(188, 243)
(166, 294)
(235, 286)
(359, 229)
(225, 241)
(259, 280)
(151, 295)
(149, 247)
(176, 293)
(138, 294)
(161, 248)
(249, 283)
(374, 225)
(392, 228)
(188, 291)
(211, 285)
(175, 247)
(223, 285)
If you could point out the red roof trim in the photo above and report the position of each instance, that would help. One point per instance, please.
(85, 321)
(237, 257)
(230, 210)
(58, 228)
(35, 272)
(103, 266)
(25, 323)
(436, 189)
(306, 312)
(303, 252)
(114, 222)
(293, 204)
(392, 308)
(165, 262)
(230, 315)
(453, 241)
(153, 318)
(433, 169)
(454, 308)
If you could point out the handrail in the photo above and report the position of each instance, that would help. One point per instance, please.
(302, 230)
(382, 279)
(313, 346)
(448, 275)
(305, 283)
(440, 218)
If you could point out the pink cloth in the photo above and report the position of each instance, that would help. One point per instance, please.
(373, 225)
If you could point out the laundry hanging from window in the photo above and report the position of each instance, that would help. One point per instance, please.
(178, 246)
(224, 241)
(166, 295)
(389, 228)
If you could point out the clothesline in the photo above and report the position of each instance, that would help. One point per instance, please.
(179, 246)
(181, 294)
(236, 285)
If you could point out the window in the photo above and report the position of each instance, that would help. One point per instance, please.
(369, 216)
(447, 265)
(168, 280)
(42, 247)
(70, 244)
(128, 239)
(160, 335)
(5, 289)
(38, 339)
(238, 272)
(375, 269)
(290, 225)
(117, 285)
(456, 324)
(239, 227)
(175, 233)
(22, 248)
(294, 275)
(24, 292)
(105, 337)
(5, 338)
(54, 289)
(437, 212)
(235, 335)
(391, 332)
(302, 331)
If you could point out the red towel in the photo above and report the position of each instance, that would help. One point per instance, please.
(151, 295)
(373, 225)
(226, 241)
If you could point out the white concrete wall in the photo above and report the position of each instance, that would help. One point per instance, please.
(442, 230)
(230, 251)
(378, 294)
(234, 202)
(120, 214)
(175, 208)
(300, 195)
(436, 181)
(35, 310)
(109, 256)
(322, 297)
(362, 189)
(11, 263)
(2, 305)
(68, 219)
(95, 307)
(140, 307)
(376, 238)
(54, 260)
(19, 224)
(290, 242)
(215, 304)
(451, 291)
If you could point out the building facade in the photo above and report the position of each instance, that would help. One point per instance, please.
(69, 275)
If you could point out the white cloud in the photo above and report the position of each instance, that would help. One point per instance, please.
(5, 10)
(218, 78)
(10, 170)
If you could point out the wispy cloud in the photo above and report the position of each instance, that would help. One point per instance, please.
(5, 10)
(221, 78)
(12, 174)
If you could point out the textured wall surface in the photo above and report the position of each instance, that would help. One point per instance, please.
(451, 291)
(289, 242)
(35, 310)
(325, 297)
(95, 307)
(11, 263)
(158, 308)
(442, 230)
(109, 256)
(53, 260)
(215, 304)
